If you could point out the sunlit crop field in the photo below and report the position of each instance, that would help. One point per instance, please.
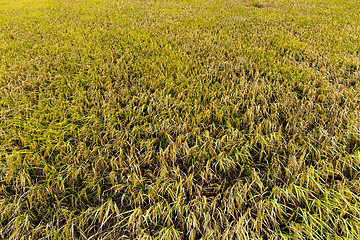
(179, 119)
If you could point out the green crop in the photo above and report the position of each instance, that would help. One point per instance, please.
(179, 119)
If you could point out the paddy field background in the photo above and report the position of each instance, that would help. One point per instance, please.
(179, 119)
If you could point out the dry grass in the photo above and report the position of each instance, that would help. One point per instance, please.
(179, 119)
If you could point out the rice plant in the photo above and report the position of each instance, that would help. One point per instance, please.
(190, 119)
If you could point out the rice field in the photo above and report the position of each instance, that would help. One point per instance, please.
(179, 119)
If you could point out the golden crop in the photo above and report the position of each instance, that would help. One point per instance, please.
(179, 119)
